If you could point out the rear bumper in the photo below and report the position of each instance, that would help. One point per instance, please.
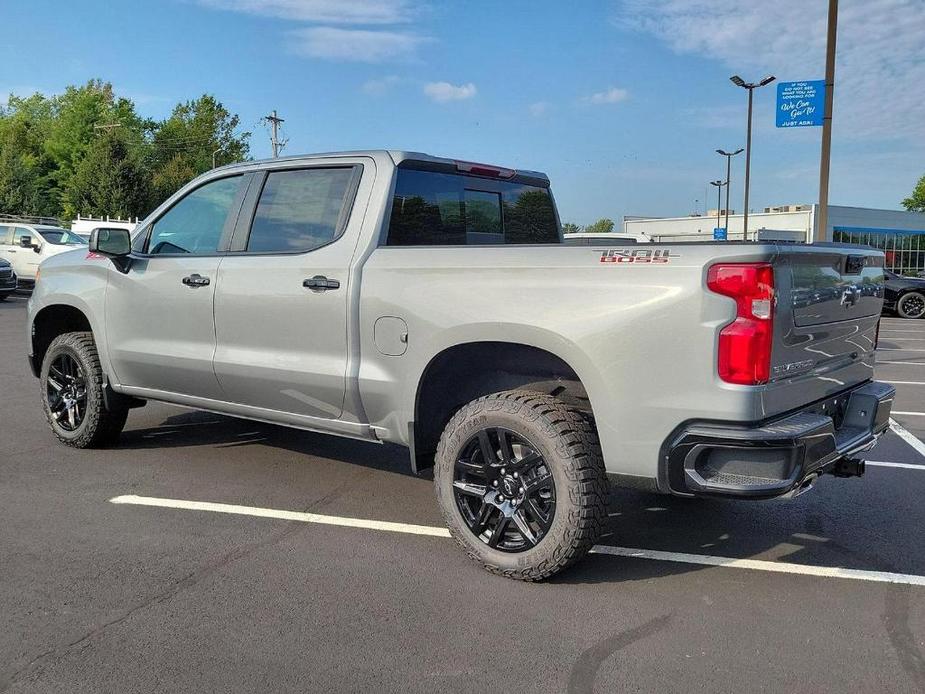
(781, 456)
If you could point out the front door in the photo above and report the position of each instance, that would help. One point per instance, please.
(25, 261)
(281, 304)
(160, 325)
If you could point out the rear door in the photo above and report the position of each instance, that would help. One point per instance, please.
(281, 305)
(159, 314)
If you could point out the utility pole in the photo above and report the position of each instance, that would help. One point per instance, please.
(274, 122)
(729, 156)
(822, 219)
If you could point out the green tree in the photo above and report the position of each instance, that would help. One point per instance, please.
(916, 202)
(182, 146)
(24, 168)
(54, 149)
(570, 228)
(79, 117)
(109, 180)
(601, 226)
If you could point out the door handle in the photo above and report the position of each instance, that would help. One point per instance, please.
(195, 280)
(320, 283)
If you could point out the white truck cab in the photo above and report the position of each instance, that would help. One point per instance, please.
(25, 246)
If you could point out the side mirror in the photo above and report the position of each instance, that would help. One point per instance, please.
(26, 242)
(113, 243)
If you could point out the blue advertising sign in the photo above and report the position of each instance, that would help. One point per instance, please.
(800, 104)
(719, 233)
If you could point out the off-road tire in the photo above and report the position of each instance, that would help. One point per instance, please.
(903, 310)
(569, 443)
(101, 426)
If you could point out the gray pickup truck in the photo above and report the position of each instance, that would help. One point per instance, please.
(399, 297)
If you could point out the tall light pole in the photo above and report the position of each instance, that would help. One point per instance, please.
(213, 156)
(750, 87)
(822, 219)
(719, 202)
(729, 156)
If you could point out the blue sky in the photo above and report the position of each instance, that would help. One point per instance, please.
(621, 102)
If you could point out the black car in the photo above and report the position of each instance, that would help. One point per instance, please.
(904, 295)
(7, 279)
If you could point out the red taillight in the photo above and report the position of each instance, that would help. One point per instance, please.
(745, 344)
(470, 167)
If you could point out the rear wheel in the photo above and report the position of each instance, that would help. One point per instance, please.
(520, 481)
(72, 394)
(911, 305)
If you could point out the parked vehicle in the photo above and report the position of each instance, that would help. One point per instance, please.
(399, 297)
(589, 239)
(25, 246)
(7, 279)
(904, 295)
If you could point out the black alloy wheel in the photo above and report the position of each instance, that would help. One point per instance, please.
(66, 392)
(504, 490)
(911, 305)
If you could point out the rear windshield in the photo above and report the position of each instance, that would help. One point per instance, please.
(443, 209)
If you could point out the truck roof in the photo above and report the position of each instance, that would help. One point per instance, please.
(397, 156)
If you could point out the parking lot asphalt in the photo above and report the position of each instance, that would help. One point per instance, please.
(97, 596)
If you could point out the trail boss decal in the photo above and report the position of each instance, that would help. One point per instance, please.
(638, 256)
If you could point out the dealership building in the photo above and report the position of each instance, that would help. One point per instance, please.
(901, 235)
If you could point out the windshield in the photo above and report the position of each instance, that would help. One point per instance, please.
(61, 237)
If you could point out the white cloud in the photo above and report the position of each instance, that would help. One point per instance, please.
(358, 45)
(881, 56)
(324, 11)
(540, 108)
(442, 92)
(611, 95)
(380, 86)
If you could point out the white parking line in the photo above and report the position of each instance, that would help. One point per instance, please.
(899, 349)
(914, 414)
(907, 339)
(631, 552)
(283, 515)
(907, 436)
(907, 466)
(902, 363)
(903, 383)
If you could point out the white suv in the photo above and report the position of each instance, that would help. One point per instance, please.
(25, 246)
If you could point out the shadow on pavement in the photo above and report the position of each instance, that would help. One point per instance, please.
(197, 428)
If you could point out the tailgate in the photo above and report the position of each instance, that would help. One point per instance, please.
(828, 306)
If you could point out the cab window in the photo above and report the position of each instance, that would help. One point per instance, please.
(194, 225)
(300, 210)
(6, 235)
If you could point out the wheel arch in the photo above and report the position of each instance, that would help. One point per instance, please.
(50, 322)
(465, 371)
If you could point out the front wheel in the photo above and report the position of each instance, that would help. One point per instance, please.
(72, 394)
(911, 305)
(520, 481)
